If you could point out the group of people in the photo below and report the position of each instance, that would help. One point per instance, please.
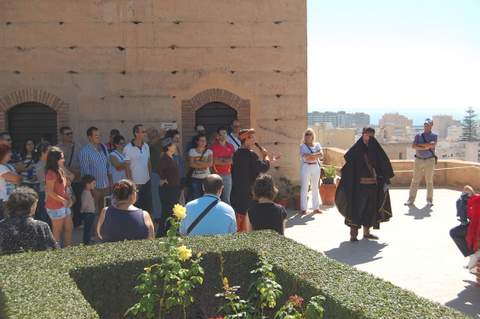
(127, 190)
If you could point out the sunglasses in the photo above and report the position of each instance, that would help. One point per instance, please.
(308, 134)
(68, 133)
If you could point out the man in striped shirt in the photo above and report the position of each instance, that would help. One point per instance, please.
(94, 161)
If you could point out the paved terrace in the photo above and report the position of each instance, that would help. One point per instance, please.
(414, 251)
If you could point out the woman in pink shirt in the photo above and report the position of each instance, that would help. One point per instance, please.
(58, 201)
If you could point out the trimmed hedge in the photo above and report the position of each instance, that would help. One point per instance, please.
(97, 281)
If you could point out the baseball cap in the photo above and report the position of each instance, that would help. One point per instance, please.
(428, 121)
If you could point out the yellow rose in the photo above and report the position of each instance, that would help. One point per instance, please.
(184, 253)
(179, 212)
(225, 283)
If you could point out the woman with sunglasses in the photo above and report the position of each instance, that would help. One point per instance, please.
(311, 154)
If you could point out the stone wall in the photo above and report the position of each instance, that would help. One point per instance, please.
(119, 62)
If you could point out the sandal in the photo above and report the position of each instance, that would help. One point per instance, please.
(317, 211)
(370, 236)
(353, 239)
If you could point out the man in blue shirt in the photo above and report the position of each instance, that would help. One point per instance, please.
(94, 160)
(221, 217)
(425, 159)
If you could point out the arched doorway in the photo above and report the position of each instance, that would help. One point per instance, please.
(214, 115)
(31, 120)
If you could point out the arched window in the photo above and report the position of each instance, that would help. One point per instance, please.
(213, 115)
(32, 120)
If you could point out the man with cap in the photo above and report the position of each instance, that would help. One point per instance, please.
(169, 183)
(425, 159)
(246, 166)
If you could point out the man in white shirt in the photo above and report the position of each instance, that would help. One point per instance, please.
(137, 155)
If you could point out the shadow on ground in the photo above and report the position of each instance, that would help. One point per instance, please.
(467, 300)
(356, 253)
(419, 213)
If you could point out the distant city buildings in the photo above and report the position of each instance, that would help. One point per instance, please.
(395, 128)
(340, 119)
(441, 124)
(395, 132)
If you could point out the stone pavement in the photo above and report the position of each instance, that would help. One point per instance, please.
(414, 251)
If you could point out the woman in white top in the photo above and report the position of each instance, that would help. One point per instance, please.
(8, 177)
(200, 160)
(119, 167)
(310, 154)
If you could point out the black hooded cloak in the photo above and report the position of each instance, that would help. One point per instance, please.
(349, 191)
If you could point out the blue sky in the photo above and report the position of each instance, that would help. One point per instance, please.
(408, 56)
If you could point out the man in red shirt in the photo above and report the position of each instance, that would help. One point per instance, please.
(222, 161)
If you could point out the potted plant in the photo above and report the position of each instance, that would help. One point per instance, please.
(328, 186)
(284, 191)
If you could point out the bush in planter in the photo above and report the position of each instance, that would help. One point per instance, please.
(96, 281)
(328, 186)
(329, 174)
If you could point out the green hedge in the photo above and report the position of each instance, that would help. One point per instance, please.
(97, 281)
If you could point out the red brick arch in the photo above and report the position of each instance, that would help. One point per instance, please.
(189, 107)
(33, 95)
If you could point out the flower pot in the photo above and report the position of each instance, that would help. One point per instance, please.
(327, 194)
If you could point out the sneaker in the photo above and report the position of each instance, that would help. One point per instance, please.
(408, 203)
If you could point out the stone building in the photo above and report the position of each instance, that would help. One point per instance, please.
(114, 63)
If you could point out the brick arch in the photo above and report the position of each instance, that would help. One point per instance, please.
(189, 107)
(33, 95)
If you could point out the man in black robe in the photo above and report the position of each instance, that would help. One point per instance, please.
(362, 196)
(246, 167)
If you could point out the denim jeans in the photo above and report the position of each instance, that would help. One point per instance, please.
(458, 235)
(88, 219)
(196, 190)
(227, 188)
